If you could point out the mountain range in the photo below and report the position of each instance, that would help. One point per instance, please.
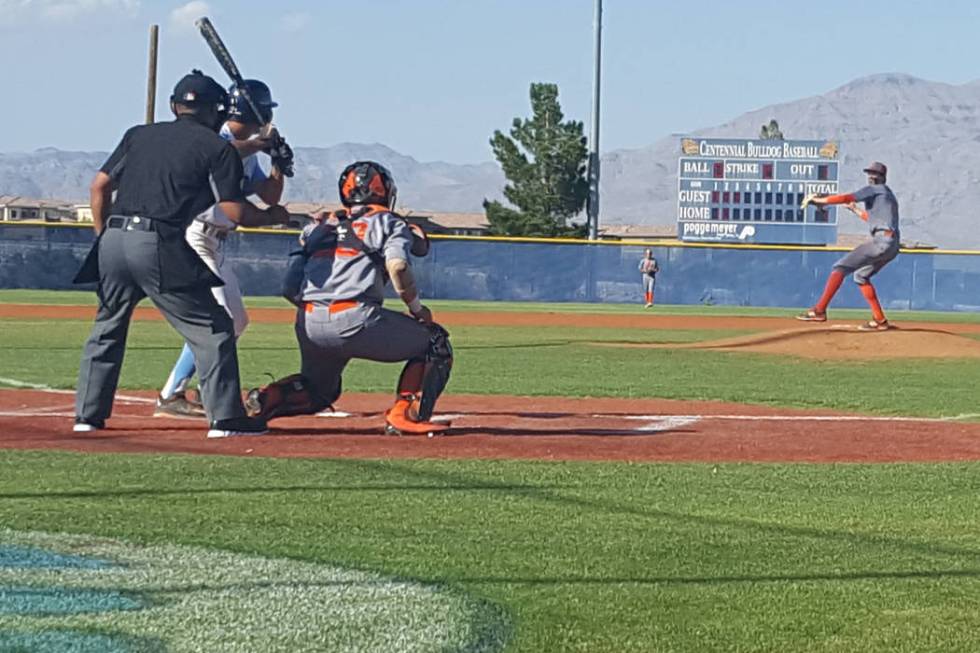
(927, 132)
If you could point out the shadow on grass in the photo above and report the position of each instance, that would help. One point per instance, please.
(647, 512)
(856, 576)
(410, 477)
(134, 493)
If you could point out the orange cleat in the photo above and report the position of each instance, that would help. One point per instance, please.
(402, 419)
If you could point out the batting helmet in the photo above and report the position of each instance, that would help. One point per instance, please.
(241, 111)
(367, 182)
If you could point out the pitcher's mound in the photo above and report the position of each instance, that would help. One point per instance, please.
(839, 342)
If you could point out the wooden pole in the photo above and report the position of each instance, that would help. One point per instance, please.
(151, 77)
(592, 209)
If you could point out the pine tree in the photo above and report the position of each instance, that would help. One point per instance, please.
(771, 132)
(544, 159)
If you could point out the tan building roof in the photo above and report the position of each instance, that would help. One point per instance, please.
(309, 208)
(32, 203)
(453, 220)
(638, 231)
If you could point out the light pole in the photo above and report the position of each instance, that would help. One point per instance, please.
(592, 211)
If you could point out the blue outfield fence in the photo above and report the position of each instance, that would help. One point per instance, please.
(39, 256)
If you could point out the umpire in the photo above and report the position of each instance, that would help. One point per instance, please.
(164, 175)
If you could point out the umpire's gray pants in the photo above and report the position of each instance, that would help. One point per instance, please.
(328, 341)
(129, 270)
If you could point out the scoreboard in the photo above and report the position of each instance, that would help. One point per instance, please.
(750, 191)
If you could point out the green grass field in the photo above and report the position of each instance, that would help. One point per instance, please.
(605, 557)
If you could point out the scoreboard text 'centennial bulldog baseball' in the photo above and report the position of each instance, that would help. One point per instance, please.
(749, 191)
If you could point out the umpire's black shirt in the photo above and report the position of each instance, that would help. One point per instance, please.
(170, 172)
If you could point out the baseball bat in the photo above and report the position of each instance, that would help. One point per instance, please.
(221, 53)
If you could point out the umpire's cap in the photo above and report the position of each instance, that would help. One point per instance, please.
(197, 88)
(877, 168)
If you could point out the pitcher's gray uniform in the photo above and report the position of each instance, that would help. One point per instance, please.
(881, 213)
(881, 210)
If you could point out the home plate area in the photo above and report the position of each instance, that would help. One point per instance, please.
(494, 426)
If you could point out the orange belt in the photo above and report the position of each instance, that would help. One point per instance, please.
(887, 232)
(335, 307)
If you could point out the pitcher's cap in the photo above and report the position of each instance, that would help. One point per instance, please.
(877, 168)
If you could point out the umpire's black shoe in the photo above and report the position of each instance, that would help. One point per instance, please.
(226, 428)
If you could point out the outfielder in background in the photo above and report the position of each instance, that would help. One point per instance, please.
(648, 272)
(209, 230)
(867, 259)
(349, 257)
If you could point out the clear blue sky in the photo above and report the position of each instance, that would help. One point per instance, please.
(434, 78)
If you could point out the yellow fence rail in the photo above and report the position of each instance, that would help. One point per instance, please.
(666, 243)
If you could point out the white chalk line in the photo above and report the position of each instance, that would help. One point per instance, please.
(18, 413)
(14, 383)
(337, 414)
(654, 423)
(54, 391)
(795, 418)
(669, 423)
(448, 417)
(38, 410)
(962, 416)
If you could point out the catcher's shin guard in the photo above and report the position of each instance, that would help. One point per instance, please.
(427, 379)
(438, 365)
(289, 396)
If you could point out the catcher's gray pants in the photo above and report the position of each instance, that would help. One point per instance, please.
(129, 270)
(867, 259)
(328, 341)
(649, 283)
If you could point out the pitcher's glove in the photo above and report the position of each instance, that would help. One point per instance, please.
(808, 200)
(282, 155)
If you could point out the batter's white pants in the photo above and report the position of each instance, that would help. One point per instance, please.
(229, 295)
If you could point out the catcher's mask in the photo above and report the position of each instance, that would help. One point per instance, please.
(367, 182)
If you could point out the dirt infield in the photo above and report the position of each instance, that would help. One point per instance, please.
(549, 428)
(837, 342)
(543, 428)
(647, 320)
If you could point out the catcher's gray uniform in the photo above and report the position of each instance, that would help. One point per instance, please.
(341, 315)
(867, 259)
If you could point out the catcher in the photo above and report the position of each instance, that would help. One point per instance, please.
(348, 257)
(867, 259)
